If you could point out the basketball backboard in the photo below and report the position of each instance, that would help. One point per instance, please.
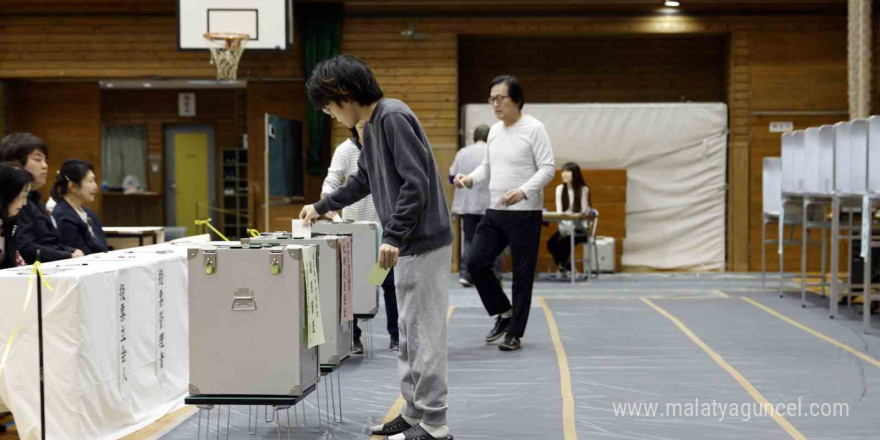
(268, 22)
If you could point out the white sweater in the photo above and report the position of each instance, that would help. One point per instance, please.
(344, 164)
(518, 157)
(566, 225)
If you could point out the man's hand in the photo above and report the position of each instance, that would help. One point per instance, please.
(388, 256)
(309, 215)
(463, 181)
(512, 197)
(76, 254)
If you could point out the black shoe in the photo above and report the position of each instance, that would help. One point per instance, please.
(511, 343)
(499, 329)
(395, 426)
(419, 433)
(357, 347)
(394, 345)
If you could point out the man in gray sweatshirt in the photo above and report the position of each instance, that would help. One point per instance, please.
(396, 165)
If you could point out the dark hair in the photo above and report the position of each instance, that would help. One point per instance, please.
(74, 170)
(343, 78)
(18, 146)
(577, 184)
(481, 133)
(13, 179)
(514, 89)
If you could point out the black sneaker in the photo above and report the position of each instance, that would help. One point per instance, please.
(394, 345)
(395, 426)
(511, 343)
(357, 347)
(499, 329)
(419, 433)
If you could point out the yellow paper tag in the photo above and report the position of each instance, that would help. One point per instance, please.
(378, 275)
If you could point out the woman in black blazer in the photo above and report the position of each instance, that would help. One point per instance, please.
(15, 183)
(79, 227)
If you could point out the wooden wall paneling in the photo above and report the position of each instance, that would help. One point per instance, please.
(596, 69)
(285, 99)
(738, 152)
(116, 46)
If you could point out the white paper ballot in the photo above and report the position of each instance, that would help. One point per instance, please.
(314, 328)
(297, 229)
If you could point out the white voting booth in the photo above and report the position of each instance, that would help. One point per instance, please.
(676, 161)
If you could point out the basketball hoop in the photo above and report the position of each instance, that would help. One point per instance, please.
(226, 50)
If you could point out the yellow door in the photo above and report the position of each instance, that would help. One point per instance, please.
(190, 177)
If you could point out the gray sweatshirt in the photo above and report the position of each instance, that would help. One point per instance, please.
(396, 166)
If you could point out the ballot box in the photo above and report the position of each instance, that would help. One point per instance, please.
(365, 252)
(335, 280)
(255, 319)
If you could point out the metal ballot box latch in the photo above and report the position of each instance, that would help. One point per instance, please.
(243, 300)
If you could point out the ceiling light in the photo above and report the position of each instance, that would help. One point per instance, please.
(672, 3)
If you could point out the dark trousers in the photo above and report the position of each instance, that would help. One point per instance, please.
(390, 293)
(521, 230)
(469, 223)
(560, 247)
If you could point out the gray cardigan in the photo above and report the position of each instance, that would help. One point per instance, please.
(397, 167)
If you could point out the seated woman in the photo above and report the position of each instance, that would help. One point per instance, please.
(572, 197)
(15, 184)
(79, 226)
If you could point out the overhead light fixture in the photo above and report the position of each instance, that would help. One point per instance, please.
(672, 3)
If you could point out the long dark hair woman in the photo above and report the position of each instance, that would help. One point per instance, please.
(75, 185)
(15, 184)
(572, 196)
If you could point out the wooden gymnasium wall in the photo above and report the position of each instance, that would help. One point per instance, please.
(766, 66)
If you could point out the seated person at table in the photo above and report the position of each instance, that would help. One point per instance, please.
(79, 226)
(37, 236)
(15, 183)
(572, 197)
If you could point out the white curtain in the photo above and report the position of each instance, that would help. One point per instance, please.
(676, 161)
(124, 153)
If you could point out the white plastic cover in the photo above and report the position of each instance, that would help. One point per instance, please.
(676, 161)
(92, 390)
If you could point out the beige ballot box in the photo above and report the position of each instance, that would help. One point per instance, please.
(365, 252)
(254, 319)
(335, 280)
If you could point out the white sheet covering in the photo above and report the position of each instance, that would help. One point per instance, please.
(90, 392)
(676, 161)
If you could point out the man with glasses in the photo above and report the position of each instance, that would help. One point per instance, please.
(518, 164)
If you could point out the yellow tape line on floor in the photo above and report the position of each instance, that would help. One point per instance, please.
(740, 379)
(398, 404)
(568, 427)
(821, 336)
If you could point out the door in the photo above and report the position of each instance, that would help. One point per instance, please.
(189, 153)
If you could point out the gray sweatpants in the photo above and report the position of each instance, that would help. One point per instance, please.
(422, 300)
